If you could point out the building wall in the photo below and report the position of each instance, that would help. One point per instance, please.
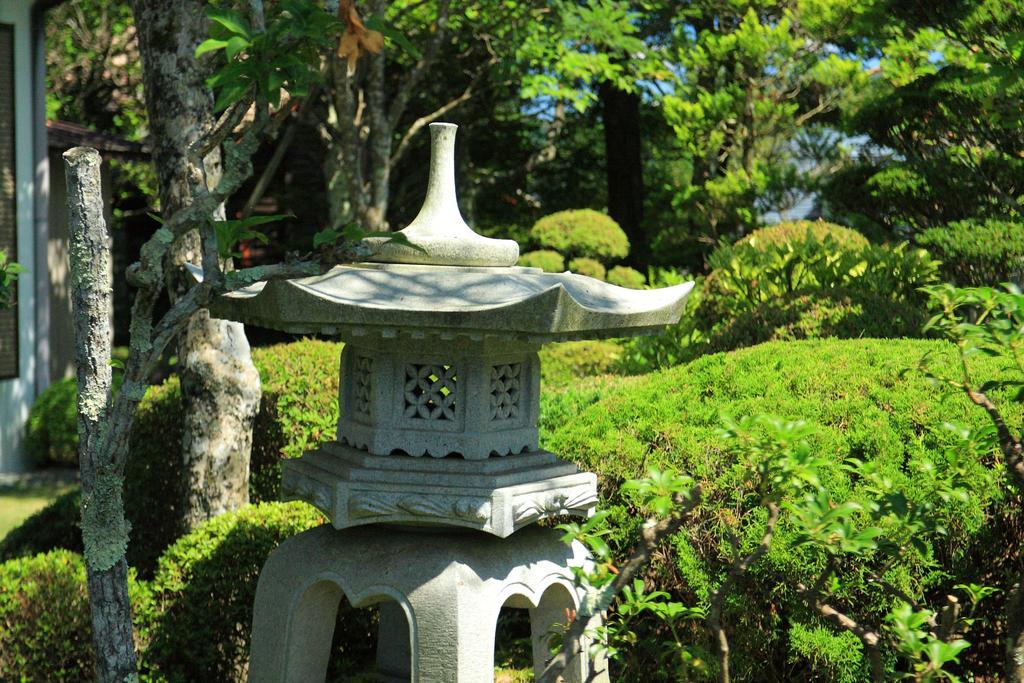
(16, 394)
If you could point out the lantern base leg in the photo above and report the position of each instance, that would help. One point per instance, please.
(440, 593)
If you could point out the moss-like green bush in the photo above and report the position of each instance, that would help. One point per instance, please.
(869, 403)
(581, 232)
(797, 231)
(624, 276)
(839, 313)
(545, 259)
(587, 266)
(45, 629)
(568, 362)
(298, 410)
(51, 433)
(55, 526)
(978, 254)
(196, 621)
(193, 620)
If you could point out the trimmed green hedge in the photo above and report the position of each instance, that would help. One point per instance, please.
(978, 254)
(797, 231)
(869, 403)
(836, 313)
(545, 259)
(192, 621)
(45, 629)
(581, 233)
(624, 276)
(51, 433)
(587, 266)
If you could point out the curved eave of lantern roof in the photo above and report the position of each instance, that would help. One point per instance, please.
(399, 299)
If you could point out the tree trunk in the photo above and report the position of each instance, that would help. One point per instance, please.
(220, 384)
(624, 168)
(104, 530)
(1015, 632)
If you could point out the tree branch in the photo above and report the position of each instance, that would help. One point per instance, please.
(653, 534)
(407, 84)
(740, 565)
(868, 637)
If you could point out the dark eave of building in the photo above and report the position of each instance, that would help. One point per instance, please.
(62, 136)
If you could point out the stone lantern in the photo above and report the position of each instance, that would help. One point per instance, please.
(436, 480)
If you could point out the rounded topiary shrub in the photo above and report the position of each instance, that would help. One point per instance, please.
(55, 526)
(565, 363)
(978, 254)
(868, 402)
(624, 276)
(545, 259)
(298, 409)
(588, 267)
(51, 433)
(581, 232)
(795, 231)
(839, 313)
(195, 622)
(45, 627)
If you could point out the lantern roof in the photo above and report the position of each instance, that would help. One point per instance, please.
(453, 283)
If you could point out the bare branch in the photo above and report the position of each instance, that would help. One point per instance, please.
(419, 71)
(1008, 443)
(867, 637)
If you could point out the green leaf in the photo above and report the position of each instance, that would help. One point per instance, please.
(231, 20)
(377, 23)
(235, 45)
(210, 45)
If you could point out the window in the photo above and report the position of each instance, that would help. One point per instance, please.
(8, 219)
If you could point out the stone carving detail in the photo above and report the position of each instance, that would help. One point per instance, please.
(379, 505)
(505, 394)
(363, 383)
(430, 392)
(554, 503)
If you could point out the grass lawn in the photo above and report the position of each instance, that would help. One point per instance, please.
(18, 502)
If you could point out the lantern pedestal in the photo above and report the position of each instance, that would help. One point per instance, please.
(497, 495)
(440, 593)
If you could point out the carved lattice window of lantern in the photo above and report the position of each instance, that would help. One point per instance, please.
(430, 392)
(363, 385)
(505, 391)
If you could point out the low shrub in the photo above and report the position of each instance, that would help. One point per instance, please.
(797, 231)
(581, 233)
(51, 433)
(867, 406)
(545, 259)
(195, 622)
(838, 313)
(624, 276)
(55, 526)
(45, 628)
(587, 266)
(564, 364)
(978, 254)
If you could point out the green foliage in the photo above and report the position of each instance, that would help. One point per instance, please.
(286, 55)
(942, 114)
(230, 232)
(784, 286)
(9, 272)
(978, 253)
(564, 364)
(581, 233)
(841, 313)
(44, 620)
(51, 433)
(865, 406)
(624, 276)
(587, 266)
(799, 231)
(192, 620)
(745, 275)
(545, 259)
(197, 620)
(55, 526)
(298, 409)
